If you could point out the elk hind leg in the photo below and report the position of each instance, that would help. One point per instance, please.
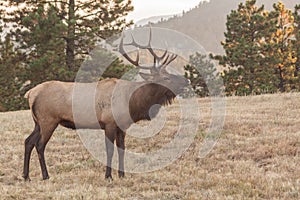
(45, 134)
(29, 144)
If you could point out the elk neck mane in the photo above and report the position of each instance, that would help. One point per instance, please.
(145, 97)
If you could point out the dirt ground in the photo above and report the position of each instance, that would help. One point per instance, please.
(256, 157)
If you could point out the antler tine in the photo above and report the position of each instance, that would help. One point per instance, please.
(156, 57)
(167, 61)
(150, 37)
(134, 43)
(157, 66)
(173, 57)
(150, 49)
(122, 51)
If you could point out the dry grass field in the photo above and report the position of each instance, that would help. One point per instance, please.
(256, 157)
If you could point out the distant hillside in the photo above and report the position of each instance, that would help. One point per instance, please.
(154, 19)
(206, 22)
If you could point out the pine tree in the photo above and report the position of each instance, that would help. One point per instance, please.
(11, 88)
(203, 75)
(282, 44)
(45, 58)
(245, 64)
(296, 42)
(54, 37)
(101, 61)
(76, 23)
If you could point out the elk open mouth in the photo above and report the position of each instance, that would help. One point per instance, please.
(181, 90)
(184, 88)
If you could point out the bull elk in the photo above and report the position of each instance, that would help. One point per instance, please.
(51, 105)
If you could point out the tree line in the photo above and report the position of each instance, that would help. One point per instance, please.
(49, 40)
(262, 52)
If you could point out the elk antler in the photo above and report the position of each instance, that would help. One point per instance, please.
(159, 63)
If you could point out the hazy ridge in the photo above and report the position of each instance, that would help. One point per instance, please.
(206, 22)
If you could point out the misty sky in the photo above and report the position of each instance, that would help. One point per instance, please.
(148, 8)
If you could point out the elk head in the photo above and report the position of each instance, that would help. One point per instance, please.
(158, 69)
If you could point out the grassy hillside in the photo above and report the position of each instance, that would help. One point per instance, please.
(257, 157)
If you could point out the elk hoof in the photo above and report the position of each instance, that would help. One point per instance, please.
(46, 178)
(26, 178)
(121, 174)
(109, 179)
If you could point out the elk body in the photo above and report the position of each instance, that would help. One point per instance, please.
(51, 105)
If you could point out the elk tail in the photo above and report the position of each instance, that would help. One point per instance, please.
(27, 94)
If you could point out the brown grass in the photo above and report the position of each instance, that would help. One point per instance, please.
(257, 157)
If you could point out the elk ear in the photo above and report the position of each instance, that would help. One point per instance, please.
(147, 77)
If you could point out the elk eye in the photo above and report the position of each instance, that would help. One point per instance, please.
(166, 78)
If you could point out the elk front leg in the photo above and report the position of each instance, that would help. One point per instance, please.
(110, 132)
(120, 140)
